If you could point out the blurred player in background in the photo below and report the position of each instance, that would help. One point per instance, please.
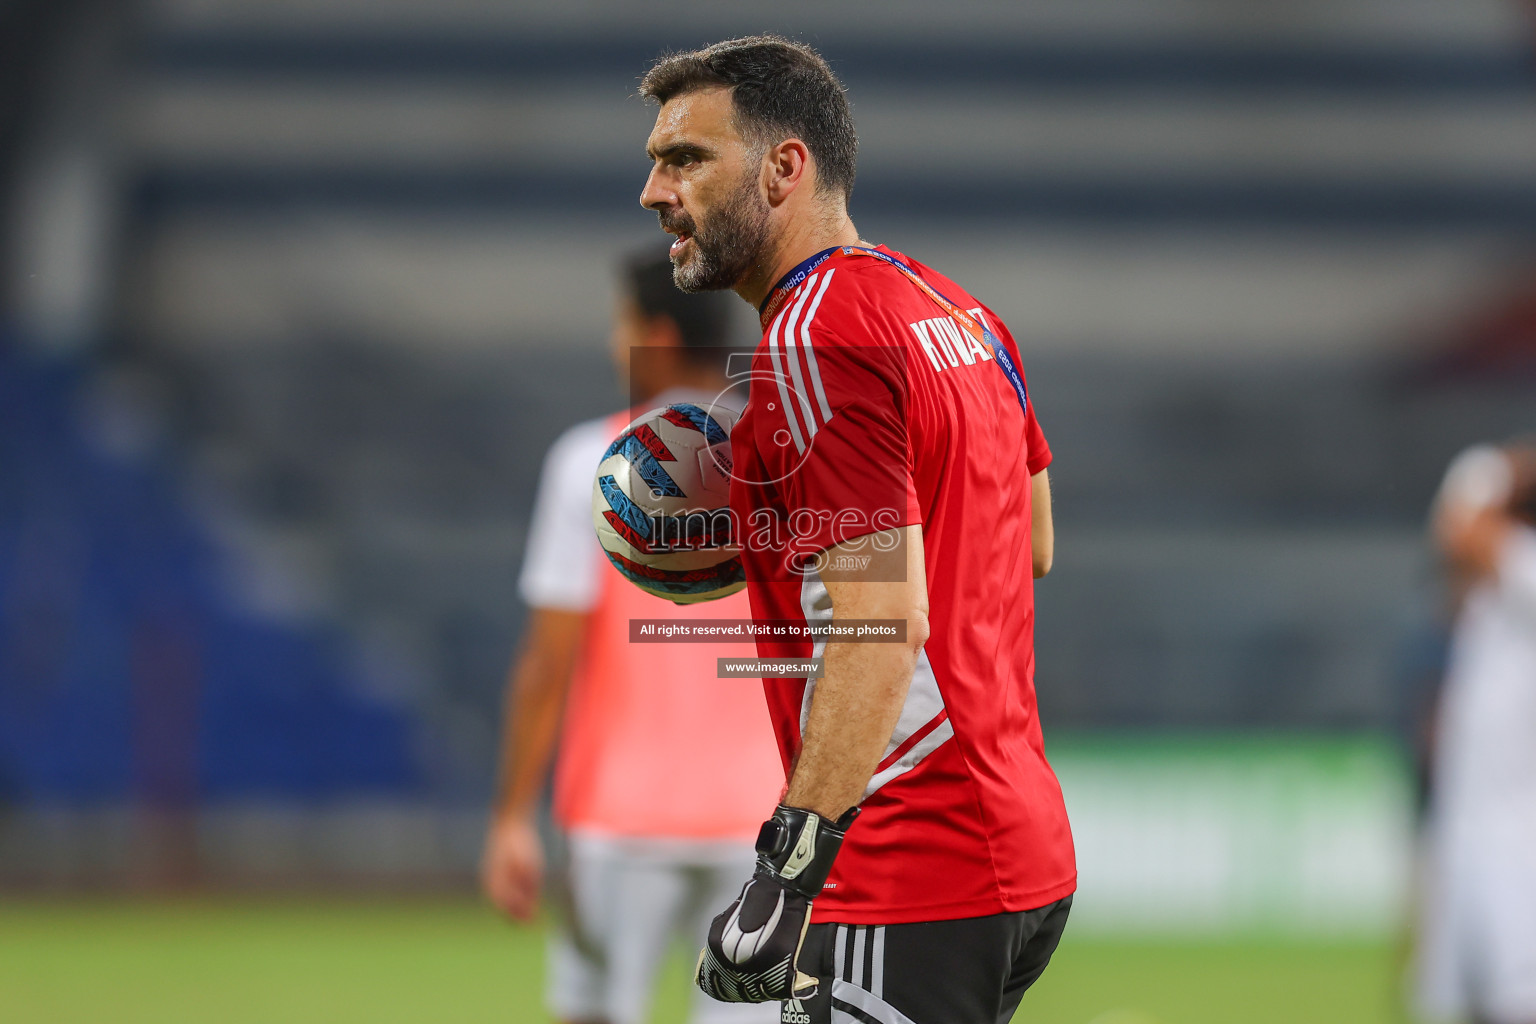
(1477, 934)
(663, 770)
(890, 434)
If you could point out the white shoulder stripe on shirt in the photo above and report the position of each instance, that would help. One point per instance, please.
(792, 357)
(780, 379)
(810, 350)
(795, 369)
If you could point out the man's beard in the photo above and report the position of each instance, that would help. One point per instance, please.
(730, 246)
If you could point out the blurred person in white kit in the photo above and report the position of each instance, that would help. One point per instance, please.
(1477, 932)
(662, 772)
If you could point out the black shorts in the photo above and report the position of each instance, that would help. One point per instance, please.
(970, 971)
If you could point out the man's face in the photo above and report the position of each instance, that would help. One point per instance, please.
(704, 186)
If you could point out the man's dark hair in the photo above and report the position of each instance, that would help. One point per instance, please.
(780, 89)
(703, 318)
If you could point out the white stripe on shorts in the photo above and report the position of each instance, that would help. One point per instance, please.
(877, 970)
(851, 995)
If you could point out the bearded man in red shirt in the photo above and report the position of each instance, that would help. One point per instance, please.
(888, 468)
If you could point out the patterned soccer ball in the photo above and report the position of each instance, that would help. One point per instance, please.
(661, 504)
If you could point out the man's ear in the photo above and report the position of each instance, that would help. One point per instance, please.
(787, 167)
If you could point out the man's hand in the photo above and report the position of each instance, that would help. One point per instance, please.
(1479, 504)
(753, 947)
(512, 866)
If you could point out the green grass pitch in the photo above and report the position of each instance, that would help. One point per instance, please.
(293, 961)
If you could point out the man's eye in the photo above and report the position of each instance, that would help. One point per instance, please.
(685, 159)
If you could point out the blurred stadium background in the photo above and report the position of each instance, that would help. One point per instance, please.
(295, 294)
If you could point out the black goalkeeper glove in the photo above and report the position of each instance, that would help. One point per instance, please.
(752, 948)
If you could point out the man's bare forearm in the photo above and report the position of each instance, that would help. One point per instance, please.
(1042, 530)
(535, 699)
(858, 700)
(853, 713)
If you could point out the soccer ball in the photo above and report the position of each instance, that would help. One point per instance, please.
(661, 504)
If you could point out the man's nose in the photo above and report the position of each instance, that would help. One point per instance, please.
(654, 196)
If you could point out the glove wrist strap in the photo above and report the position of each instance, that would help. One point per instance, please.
(796, 847)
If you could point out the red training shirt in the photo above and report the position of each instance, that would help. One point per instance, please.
(871, 408)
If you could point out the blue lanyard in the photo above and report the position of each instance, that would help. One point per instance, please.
(789, 282)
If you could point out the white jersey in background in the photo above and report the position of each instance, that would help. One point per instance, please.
(1478, 931)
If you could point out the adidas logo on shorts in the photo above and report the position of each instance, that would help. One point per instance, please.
(794, 1013)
